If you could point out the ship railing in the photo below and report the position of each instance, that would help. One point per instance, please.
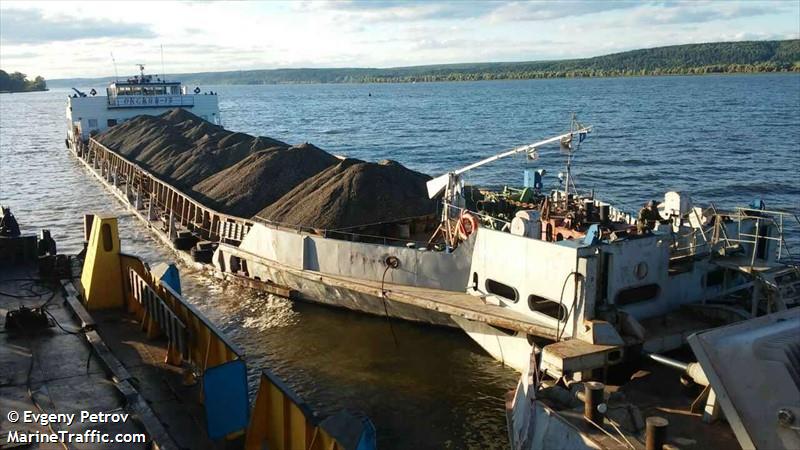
(452, 211)
(165, 198)
(277, 417)
(754, 232)
(150, 101)
(192, 337)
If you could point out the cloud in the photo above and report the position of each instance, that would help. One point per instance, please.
(31, 27)
(400, 11)
(693, 14)
(536, 11)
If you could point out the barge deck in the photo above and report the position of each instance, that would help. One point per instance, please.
(69, 367)
(99, 350)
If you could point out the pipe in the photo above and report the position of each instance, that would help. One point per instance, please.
(593, 404)
(668, 361)
(693, 369)
(655, 432)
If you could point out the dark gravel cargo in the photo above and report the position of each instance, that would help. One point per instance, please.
(354, 193)
(245, 176)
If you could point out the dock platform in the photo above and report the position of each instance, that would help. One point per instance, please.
(62, 368)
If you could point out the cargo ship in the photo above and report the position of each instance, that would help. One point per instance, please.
(517, 269)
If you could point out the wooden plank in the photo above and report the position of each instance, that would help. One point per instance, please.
(110, 362)
(87, 322)
(155, 429)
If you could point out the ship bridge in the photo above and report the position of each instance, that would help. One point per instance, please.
(89, 113)
(148, 91)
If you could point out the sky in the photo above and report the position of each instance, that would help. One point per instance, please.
(77, 39)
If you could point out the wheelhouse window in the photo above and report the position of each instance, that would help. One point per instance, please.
(547, 307)
(501, 290)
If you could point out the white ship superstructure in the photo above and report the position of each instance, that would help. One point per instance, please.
(89, 113)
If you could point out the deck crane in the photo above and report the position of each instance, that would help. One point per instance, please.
(449, 182)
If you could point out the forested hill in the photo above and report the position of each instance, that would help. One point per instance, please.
(719, 57)
(19, 82)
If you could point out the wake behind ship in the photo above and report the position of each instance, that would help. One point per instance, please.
(557, 280)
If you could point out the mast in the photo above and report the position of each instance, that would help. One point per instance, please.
(163, 72)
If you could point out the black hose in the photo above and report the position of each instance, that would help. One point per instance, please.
(559, 330)
(391, 263)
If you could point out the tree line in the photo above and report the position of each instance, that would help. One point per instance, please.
(19, 82)
(688, 59)
(584, 73)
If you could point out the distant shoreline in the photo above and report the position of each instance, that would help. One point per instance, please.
(24, 90)
(393, 81)
(302, 83)
(689, 59)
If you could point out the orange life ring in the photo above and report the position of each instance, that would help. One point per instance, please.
(465, 218)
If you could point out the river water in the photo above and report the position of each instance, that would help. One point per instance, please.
(726, 139)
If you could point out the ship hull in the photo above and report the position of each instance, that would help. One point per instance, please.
(304, 286)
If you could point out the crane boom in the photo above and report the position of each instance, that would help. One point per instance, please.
(436, 185)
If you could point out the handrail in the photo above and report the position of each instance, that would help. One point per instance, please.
(235, 349)
(149, 174)
(244, 223)
(198, 353)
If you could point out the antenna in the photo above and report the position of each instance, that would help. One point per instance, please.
(163, 72)
(114, 62)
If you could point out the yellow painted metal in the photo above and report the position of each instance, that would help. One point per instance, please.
(206, 345)
(281, 421)
(279, 418)
(101, 280)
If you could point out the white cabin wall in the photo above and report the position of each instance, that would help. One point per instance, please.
(626, 255)
(536, 267)
(84, 108)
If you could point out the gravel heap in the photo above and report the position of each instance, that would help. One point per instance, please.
(354, 193)
(248, 176)
(262, 178)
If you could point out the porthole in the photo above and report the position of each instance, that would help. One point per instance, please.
(502, 290)
(640, 270)
(547, 307)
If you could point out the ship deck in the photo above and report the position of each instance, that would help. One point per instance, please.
(653, 390)
(98, 363)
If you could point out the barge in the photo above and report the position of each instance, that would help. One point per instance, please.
(99, 350)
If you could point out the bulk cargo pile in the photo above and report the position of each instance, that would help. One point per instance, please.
(247, 176)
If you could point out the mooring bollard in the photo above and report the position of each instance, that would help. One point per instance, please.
(593, 405)
(656, 432)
